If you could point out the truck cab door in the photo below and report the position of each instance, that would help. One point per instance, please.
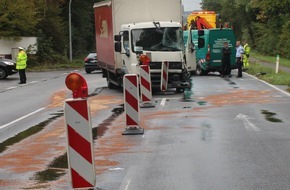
(126, 53)
(190, 57)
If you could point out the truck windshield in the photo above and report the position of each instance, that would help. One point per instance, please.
(158, 39)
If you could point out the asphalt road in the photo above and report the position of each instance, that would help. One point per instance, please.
(33, 102)
(222, 134)
(233, 135)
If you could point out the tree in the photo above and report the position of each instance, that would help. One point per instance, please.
(83, 30)
(52, 39)
(284, 43)
(212, 5)
(271, 18)
(17, 18)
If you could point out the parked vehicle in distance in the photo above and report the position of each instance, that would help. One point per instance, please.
(7, 67)
(91, 62)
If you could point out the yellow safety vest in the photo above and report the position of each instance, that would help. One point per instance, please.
(21, 60)
(247, 49)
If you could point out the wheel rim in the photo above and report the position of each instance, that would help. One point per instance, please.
(2, 73)
(198, 70)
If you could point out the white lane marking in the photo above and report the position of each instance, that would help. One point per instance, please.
(19, 119)
(127, 186)
(12, 87)
(32, 82)
(116, 169)
(163, 101)
(286, 93)
(248, 125)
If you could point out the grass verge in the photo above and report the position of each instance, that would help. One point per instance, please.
(268, 74)
(270, 59)
(77, 64)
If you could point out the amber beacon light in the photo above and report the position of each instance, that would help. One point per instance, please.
(144, 59)
(77, 84)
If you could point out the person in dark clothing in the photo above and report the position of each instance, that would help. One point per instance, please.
(226, 61)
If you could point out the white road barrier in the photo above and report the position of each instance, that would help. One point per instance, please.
(164, 76)
(79, 143)
(146, 89)
(131, 105)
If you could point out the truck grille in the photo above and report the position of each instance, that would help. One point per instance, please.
(172, 65)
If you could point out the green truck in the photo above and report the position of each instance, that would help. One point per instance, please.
(203, 49)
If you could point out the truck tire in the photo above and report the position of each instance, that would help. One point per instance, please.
(110, 85)
(179, 90)
(198, 71)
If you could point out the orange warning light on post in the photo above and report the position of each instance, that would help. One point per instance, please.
(77, 84)
(144, 59)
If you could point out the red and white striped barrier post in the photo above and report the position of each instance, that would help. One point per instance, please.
(146, 90)
(79, 134)
(131, 105)
(164, 76)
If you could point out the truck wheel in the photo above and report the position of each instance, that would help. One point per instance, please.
(198, 71)
(179, 90)
(110, 85)
(88, 71)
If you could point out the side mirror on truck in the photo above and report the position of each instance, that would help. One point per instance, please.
(118, 47)
(118, 38)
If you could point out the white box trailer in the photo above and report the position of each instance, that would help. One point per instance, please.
(128, 19)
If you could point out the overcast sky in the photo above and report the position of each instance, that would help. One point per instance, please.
(190, 5)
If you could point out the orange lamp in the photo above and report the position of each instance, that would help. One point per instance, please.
(144, 59)
(77, 84)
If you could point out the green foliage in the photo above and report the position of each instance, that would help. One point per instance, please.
(270, 59)
(285, 40)
(17, 18)
(212, 5)
(83, 27)
(269, 75)
(77, 63)
(52, 27)
(48, 21)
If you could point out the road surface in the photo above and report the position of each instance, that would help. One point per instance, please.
(221, 134)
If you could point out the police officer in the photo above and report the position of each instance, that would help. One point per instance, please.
(246, 55)
(21, 65)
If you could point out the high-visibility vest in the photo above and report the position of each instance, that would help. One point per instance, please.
(247, 49)
(21, 60)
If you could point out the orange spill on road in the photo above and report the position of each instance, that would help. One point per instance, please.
(38, 151)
